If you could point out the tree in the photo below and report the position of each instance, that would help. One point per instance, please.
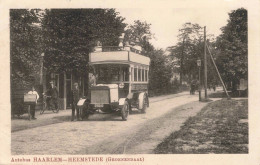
(140, 32)
(25, 37)
(232, 58)
(188, 49)
(160, 72)
(70, 35)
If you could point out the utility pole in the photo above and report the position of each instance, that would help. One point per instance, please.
(41, 70)
(41, 76)
(218, 73)
(199, 65)
(205, 64)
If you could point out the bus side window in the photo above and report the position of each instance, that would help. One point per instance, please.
(132, 74)
(146, 75)
(143, 75)
(125, 74)
(139, 75)
(135, 74)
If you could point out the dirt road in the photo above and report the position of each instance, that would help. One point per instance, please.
(106, 133)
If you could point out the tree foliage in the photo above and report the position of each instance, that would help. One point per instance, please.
(70, 35)
(140, 32)
(64, 36)
(160, 72)
(232, 57)
(25, 37)
(188, 49)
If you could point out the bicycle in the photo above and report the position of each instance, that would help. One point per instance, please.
(46, 105)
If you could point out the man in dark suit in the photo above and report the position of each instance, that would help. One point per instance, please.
(75, 96)
(53, 92)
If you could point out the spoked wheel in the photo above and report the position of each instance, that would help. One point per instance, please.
(86, 111)
(125, 111)
(53, 106)
(56, 110)
(44, 107)
(85, 115)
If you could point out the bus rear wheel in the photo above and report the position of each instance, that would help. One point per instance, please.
(125, 111)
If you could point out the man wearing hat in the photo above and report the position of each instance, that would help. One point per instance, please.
(75, 96)
(53, 92)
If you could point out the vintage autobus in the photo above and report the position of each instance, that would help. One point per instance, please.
(121, 81)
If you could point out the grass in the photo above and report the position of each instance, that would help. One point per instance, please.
(220, 127)
(235, 94)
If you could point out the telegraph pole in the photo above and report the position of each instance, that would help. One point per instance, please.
(205, 64)
(41, 71)
(199, 65)
(218, 73)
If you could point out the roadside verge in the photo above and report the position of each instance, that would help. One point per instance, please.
(220, 127)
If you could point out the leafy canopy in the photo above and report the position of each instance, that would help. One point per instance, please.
(232, 47)
(70, 35)
(25, 37)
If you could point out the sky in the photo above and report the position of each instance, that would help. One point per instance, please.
(165, 22)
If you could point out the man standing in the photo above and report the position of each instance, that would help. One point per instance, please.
(92, 80)
(75, 96)
(32, 111)
(53, 92)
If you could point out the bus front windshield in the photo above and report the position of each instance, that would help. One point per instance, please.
(109, 74)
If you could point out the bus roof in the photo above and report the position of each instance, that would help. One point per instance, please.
(118, 57)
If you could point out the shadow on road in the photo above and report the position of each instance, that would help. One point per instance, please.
(62, 118)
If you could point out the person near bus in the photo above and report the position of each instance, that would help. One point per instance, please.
(32, 110)
(54, 94)
(93, 80)
(193, 87)
(75, 97)
(214, 87)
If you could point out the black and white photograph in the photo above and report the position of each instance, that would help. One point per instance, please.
(128, 85)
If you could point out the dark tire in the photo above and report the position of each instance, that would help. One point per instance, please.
(86, 115)
(125, 111)
(56, 110)
(86, 111)
(130, 109)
